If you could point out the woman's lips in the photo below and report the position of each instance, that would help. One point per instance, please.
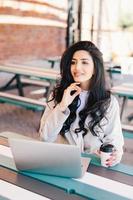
(78, 74)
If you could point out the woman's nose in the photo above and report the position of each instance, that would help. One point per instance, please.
(77, 66)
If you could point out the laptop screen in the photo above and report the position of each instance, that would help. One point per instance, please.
(47, 158)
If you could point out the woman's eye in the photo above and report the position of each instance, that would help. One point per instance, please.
(72, 62)
(85, 63)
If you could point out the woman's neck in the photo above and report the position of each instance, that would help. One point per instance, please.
(85, 85)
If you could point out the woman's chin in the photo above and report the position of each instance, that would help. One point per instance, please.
(78, 80)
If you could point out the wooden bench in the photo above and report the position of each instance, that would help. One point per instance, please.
(31, 81)
(127, 127)
(8, 135)
(25, 102)
(113, 70)
(124, 91)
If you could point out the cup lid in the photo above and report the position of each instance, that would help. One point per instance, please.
(107, 147)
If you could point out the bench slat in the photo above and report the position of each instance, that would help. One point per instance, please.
(127, 127)
(35, 82)
(30, 72)
(22, 101)
(41, 69)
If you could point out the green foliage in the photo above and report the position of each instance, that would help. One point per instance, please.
(126, 21)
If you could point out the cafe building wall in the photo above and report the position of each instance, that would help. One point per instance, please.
(32, 29)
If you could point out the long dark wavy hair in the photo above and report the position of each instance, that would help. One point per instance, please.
(98, 98)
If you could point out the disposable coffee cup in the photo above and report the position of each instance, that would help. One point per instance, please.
(105, 153)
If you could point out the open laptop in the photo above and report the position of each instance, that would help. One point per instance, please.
(48, 158)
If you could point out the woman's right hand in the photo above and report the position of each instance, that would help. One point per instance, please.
(68, 97)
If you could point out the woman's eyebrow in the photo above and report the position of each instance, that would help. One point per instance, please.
(81, 59)
(85, 59)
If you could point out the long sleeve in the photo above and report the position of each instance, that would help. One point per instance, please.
(113, 130)
(52, 122)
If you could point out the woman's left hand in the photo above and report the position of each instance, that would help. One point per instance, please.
(112, 160)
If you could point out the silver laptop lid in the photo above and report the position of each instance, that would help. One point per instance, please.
(47, 158)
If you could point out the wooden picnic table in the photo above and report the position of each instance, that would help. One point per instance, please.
(39, 73)
(53, 60)
(36, 75)
(125, 91)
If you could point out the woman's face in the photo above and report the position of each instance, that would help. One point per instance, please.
(82, 68)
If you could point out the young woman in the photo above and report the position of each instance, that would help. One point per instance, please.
(80, 108)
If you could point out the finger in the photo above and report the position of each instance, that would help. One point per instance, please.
(97, 152)
(110, 161)
(71, 88)
(109, 164)
(114, 153)
(111, 158)
(76, 92)
(75, 83)
(78, 87)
